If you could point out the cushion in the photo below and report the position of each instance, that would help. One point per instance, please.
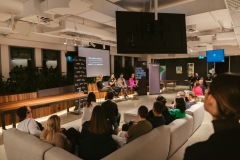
(181, 130)
(23, 146)
(153, 145)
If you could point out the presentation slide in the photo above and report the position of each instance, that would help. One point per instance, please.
(97, 61)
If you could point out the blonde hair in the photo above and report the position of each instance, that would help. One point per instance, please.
(99, 78)
(52, 126)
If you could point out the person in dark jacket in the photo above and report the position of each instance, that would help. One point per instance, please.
(165, 112)
(111, 112)
(222, 102)
(158, 118)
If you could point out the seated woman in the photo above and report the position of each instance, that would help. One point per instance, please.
(87, 108)
(101, 86)
(133, 83)
(179, 110)
(197, 89)
(53, 135)
(96, 140)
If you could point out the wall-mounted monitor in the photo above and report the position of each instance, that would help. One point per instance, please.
(215, 55)
(139, 32)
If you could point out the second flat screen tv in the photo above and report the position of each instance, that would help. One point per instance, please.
(138, 32)
(215, 55)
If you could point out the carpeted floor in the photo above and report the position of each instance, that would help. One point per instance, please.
(73, 120)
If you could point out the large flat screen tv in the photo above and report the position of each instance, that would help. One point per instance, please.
(215, 55)
(138, 32)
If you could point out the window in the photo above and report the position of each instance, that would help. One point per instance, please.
(51, 59)
(21, 57)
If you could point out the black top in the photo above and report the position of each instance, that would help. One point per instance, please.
(192, 79)
(99, 85)
(208, 78)
(111, 111)
(93, 146)
(165, 114)
(221, 145)
(157, 121)
(111, 80)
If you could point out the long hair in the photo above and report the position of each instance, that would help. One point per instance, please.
(52, 126)
(180, 104)
(91, 98)
(133, 77)
(98, 123)
(225, 88)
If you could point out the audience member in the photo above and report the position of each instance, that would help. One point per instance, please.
(179, 110)
(52, 134)
(141, 127)
(197, 89)
(158, 118)
(191, 99)
(27, 123)
(88, 107)
(165, 112)
(214, 75)
(201, 84)
(191, 79)
(101, 86)
(111, 112)
(222, 102)
(96, 140)
(197, 77)
(113, 84)
(209, 77)
(204, 82)
(122, 84)
(182, 94)
(133, 83)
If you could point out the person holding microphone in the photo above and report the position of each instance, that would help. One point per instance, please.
(113, 84)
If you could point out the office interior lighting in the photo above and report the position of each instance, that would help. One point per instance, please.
(92, 44)
(65, 41)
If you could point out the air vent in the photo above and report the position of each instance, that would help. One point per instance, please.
(45, 19)
(191, 28)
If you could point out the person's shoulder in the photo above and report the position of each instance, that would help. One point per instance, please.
(196, 150)
(59, 135)
(86, 124)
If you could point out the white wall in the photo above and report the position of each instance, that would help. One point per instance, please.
(5, 64)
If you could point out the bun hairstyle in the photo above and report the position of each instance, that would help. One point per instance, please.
(225, 88)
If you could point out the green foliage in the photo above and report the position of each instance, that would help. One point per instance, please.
(32, 79)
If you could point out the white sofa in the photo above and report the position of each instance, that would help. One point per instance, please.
(159, 144)
(164, 141)
(20, 145)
